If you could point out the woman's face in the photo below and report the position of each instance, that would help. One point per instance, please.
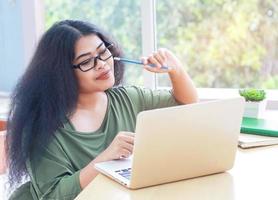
(99, 78)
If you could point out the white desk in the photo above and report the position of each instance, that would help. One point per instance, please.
(254, 177)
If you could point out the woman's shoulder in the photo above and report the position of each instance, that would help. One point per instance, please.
(127, 97)
(130, 90)
(125, 88)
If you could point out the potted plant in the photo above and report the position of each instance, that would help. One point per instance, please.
(255, 102)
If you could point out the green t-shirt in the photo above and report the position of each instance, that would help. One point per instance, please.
(55, 174)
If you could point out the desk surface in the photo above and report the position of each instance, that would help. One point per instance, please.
(254, 176)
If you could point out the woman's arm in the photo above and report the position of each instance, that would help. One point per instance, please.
(183, 88)
(121, 147)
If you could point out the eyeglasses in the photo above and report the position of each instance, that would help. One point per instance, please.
(91, 63)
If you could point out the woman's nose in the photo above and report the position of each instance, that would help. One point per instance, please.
(100, 64)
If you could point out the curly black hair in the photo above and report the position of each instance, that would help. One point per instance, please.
(47, 92)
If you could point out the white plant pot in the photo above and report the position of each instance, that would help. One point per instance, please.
(254, 109)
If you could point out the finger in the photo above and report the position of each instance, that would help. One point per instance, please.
(127, 136)
(159, 58)
(155, 69)
(128, 139)
(128, 147)
(124, 154)
(127, 133)
(152, 60)
(146, 66)
(162, 53)
(144, 60)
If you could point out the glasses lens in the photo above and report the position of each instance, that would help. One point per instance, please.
(105, 54)
(88, 64)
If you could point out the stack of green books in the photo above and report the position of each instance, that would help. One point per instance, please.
(258, 132)
(256, 126)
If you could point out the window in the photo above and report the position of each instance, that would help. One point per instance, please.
(223, 43)
(121, 18)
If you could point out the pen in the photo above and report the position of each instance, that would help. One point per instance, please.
(138, 62)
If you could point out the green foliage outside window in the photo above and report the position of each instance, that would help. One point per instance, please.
(223, 43)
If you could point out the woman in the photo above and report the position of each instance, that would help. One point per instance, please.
(67, 113)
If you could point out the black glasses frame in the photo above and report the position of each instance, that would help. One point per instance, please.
(107, 46)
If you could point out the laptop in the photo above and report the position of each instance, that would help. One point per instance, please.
(180, 142)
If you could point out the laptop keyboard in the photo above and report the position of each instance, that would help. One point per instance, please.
(126, 173)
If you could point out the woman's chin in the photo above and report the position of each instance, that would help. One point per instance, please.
(108, 84)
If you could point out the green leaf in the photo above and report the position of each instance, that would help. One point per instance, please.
(253, 94)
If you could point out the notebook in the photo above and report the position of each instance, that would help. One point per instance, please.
(249, 141)
(259, 126)
(179, 143)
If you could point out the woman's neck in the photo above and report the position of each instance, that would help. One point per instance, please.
(87, 101)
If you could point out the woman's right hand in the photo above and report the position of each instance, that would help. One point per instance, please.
(121, 147)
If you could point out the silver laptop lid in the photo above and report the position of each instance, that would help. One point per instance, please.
(185, 141)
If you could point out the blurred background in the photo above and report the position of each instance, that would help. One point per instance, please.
(222, 43)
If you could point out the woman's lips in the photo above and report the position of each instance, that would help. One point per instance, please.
(103, 76)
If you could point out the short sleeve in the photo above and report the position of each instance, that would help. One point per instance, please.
(149, 99)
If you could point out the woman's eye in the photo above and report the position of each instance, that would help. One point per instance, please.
(86, 62)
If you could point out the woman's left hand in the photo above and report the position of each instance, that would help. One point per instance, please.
(163, 57)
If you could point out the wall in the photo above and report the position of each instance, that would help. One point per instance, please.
(11, 44)
(21, 25)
